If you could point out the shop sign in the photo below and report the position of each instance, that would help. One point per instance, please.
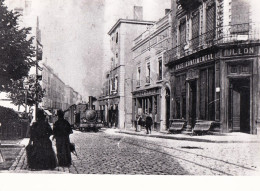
(238, 51)
(147, 92)
(205, 58)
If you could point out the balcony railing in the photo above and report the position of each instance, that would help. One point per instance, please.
(218, 36)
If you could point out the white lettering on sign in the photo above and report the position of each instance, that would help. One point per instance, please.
(194, 61)
(238, 51)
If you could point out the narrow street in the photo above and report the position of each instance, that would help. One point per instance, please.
(108, 152)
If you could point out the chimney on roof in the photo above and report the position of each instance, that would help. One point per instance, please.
(138, 13)
(167, 11)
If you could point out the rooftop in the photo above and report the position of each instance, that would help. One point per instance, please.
(131, 21)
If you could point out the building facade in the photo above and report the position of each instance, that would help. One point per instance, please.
(58, 95)
(214, 66)
(117, 103)
(151, 87)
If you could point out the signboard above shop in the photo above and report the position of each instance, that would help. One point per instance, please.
(195, 61)
(238, 51)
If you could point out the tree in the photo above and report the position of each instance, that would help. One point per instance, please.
(16, 49)
(22, 96)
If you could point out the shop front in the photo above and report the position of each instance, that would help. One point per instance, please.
(148, 101)
(239, 88)
(193, 93)
(217, 91)
(110, 110)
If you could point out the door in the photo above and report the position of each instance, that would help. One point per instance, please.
(239, 105)
(193, 101)
(167, 99)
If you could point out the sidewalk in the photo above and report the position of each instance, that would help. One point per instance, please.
(20, 163)
(235, 137)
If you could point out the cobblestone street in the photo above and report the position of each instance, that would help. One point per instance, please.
(203, 158)
(108, 152)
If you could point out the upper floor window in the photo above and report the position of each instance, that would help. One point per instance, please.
(240, 16)
(182, 35)
(117, 37)
(210, 21)
(195, 29)
(182, 31)
(148, 72)
(138, 77)
(160, 68)
(116, 83)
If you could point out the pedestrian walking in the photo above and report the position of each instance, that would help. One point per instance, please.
(139, 123)
(61, 131)
(148, 123)
(40, 153)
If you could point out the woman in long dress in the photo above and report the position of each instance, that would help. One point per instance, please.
(42, 155)
(61, 131)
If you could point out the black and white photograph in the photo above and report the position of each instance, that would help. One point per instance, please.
(130, 88)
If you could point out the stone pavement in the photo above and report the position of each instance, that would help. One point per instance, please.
(103, 153)
(235, 137)
(232, 154)
(225, 154)
(20, 164)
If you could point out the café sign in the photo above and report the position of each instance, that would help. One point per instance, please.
(205, 58)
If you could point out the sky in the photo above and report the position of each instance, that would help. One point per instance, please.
(74, 35)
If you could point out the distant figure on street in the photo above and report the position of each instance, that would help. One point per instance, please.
(148, 123)
(139, 123)
(61, 131)
(41, 155)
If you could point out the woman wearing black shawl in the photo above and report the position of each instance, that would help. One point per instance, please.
(61, 131)
(40, 153)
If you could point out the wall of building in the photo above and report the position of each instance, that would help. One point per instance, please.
(129, 33)
(211, 69)
(150, 47)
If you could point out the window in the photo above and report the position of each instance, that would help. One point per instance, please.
(117, 37)
(234, 69)
(160, 68)
(148, 73)
(138, 76)
(180, 96)
(116, 83)
(240, 16)
(182, 36)
(210, 21)
(195, 30)
(207, 94)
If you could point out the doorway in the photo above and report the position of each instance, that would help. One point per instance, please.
(193, 102)
(167, 100)
(239, 105)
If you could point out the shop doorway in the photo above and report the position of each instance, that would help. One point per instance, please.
(193, 102)
(239, 105)
(167, 100)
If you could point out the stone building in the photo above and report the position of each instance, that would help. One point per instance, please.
(58, 95)
(214, 66)
(117, 103)
(151, 87)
